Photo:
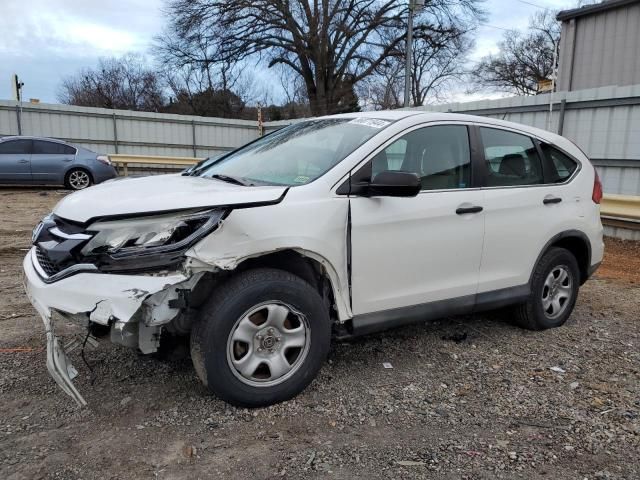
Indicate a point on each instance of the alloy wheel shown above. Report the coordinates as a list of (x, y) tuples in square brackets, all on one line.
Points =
[(557, 291), (79, 179)]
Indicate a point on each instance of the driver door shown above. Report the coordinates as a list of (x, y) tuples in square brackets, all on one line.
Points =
[(410, 252)]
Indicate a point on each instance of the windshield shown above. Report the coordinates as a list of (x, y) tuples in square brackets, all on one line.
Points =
[(297, 154), (201, 165)]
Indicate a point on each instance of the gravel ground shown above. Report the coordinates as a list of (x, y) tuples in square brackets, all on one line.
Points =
[(467, 398)]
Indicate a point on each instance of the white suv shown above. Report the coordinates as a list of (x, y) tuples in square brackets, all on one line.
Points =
[(341, 225)]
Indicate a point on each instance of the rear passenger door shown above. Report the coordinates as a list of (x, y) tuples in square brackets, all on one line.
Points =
[(15, 161), (50, 161), (526, 203)]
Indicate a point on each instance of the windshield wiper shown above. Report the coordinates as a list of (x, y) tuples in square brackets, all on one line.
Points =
[(230, 179)]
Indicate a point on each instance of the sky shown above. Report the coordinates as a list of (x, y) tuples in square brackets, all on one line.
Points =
[(44, 41)]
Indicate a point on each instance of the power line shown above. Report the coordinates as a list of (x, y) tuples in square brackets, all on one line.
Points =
[(533, 4), (494, 26)]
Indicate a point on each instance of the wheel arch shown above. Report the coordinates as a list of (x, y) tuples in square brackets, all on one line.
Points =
[(304, 265), (577, 243), (311, 267)]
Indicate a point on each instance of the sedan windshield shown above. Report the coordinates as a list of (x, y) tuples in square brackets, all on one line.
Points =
[(297, 154)]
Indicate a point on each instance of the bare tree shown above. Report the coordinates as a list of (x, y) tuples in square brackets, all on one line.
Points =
[(524, 59), (437, 64), (332, 45), (438, 61), (384, 89), (124, 83), (198, 84)]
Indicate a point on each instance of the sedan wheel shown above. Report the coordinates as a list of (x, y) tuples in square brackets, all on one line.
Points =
[(78, 179)]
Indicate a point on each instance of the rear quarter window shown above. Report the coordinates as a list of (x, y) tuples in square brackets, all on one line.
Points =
[(558, 165)]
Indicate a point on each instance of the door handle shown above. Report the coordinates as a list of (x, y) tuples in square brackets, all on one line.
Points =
[(23, 161), (463, 210), (549, 200)]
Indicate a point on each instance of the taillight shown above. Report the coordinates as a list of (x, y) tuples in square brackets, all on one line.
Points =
[(596, 196), (104, 159)]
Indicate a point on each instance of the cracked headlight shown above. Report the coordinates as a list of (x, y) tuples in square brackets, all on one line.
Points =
[(143, 236)]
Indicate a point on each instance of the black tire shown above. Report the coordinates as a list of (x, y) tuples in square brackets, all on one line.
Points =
[(226, 308), (532, 314), (70, 184)]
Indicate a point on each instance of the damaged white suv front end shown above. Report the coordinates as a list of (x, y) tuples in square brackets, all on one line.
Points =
[(125, 271)]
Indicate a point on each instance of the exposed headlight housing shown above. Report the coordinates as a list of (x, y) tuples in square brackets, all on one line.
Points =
[(147, 242)]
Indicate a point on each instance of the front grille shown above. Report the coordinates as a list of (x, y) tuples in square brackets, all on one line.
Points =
[(49, 268)]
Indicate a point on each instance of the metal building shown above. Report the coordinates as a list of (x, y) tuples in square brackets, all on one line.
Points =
[(600, 45)]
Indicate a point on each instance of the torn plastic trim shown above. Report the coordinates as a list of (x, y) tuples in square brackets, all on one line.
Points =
[(159, 309), (59, 366)]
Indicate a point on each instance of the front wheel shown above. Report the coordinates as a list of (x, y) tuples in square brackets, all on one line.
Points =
[(554, 290), (261, 338)]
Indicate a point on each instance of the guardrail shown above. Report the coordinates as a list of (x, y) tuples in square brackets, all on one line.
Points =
[(615, 210), (621, 211), (125, 160)]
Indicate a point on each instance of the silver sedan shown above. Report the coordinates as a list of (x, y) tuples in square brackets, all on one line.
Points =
[(45, 161)]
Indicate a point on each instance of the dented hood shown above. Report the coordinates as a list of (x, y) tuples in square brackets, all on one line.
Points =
[(159, 193)]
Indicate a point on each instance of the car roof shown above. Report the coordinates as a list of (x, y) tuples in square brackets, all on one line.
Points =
[(30, 137), (381, 114), (419, 116)]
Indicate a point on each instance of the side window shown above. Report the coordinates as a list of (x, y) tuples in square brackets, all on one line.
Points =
[(42, 147), (439, 155), (559, 166), (67, 149), (15, 147), (512, 159)]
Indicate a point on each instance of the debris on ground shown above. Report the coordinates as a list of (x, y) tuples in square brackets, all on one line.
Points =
[(457, 337)]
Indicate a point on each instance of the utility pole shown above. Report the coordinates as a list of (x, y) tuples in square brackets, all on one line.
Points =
[(16, 89), (260, 121), (554, 76), (414, 5)]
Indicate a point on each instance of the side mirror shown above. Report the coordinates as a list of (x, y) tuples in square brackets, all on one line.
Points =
[(390, 183)]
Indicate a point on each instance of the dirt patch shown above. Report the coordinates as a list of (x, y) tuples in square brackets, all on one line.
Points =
[(468, 397), (621, 261)]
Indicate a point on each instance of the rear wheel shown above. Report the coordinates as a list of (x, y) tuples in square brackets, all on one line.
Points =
[(261, 338), (554, 290), (78, 179)]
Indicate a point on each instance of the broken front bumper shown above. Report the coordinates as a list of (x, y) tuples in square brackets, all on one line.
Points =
[(59, 366), (104, 298)]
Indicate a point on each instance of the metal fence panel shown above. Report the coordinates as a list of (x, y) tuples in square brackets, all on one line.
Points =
[(121, 131), (604, 122)]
